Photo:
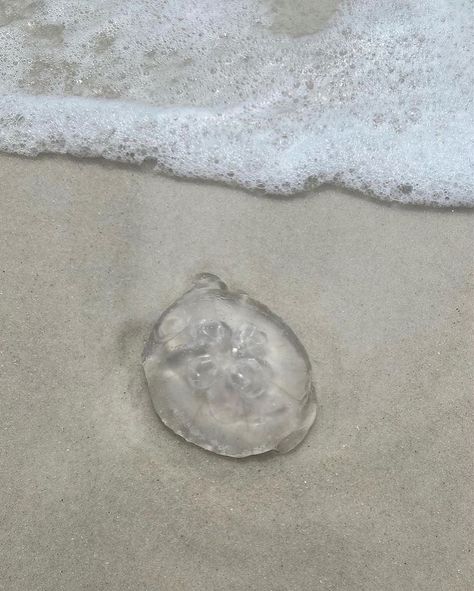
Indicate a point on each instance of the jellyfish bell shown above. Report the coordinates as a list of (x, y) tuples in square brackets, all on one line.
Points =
[(227, 374)]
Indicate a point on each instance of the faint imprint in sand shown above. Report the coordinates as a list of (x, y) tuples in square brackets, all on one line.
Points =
[(227, 374)]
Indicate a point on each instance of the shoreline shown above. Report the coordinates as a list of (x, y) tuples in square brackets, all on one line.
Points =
[(148, 167)]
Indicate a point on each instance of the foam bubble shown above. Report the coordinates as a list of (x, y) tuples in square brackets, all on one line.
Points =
[(379, 100)]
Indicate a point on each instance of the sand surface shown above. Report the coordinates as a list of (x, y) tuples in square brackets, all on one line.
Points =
[(95, 492)]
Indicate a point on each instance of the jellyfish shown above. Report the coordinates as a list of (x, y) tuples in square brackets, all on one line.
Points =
[(227, 374)]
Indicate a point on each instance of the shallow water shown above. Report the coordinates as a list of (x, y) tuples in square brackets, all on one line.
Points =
[(371, 94)]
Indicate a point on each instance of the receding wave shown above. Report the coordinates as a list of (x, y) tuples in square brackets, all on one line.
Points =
[(380, 99)]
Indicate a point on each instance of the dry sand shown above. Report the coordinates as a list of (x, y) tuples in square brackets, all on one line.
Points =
[(97, 494)]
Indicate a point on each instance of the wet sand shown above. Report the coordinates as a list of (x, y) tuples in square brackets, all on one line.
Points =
[(97, 494)]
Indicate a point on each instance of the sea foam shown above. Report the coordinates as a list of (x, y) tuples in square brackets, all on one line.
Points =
[(380, 99)]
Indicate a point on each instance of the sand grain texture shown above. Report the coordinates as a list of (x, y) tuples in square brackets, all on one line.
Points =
[(97, 494)]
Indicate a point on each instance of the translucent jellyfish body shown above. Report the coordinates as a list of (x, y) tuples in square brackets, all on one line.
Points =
[(227, 374)]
